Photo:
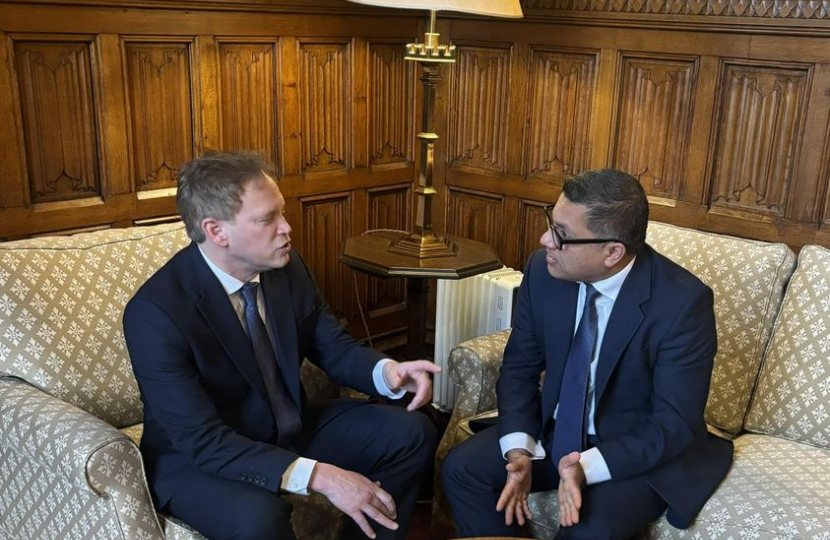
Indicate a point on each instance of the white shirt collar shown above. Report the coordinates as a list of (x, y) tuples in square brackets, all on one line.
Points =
[(229, 283), (611, 286)]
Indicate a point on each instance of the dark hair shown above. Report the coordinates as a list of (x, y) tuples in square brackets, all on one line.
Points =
[(213, 185), (616, 205)]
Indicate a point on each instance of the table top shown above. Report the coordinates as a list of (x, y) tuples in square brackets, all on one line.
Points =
[(370, 253)]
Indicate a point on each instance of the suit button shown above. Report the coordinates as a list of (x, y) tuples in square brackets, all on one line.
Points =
[(264, 480), (256, 479)]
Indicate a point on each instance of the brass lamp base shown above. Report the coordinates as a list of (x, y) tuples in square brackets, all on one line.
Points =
[(424, 247)]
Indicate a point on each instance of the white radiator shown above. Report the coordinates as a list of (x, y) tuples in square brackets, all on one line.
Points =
[(465, 309)]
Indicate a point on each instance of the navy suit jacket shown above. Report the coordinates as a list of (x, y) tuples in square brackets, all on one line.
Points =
[(205, 404), (652, 376)]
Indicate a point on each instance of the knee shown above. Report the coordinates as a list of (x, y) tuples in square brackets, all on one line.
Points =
[(454, 470), (263, 521), (417, 433)]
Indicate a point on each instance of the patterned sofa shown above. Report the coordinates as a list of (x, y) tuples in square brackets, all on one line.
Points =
[(70, 411), (770, 390)]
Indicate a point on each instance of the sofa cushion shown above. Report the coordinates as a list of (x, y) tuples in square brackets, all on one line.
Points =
[(748, 279), (61, 304), (793, 395), (776, 490)]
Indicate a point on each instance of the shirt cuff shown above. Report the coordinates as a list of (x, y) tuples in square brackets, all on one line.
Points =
[(380, 384), (297, 475), (596, 470), (517, 439)]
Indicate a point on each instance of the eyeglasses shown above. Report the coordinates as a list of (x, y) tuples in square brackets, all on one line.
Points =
[(559, 242)]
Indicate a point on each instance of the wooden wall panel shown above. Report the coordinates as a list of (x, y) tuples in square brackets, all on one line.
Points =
[(562, 92), (476, 215), (392, 110), (655, 121), (54, 81), (532, 225), (758, 137), (479, 118), (161, 110), (326, 222), (326, 100), (247, 77), (389, 208)]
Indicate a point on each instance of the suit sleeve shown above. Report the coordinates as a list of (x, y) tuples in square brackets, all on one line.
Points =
[(518, 386), (337, 353), (170, 385), (681, 378)]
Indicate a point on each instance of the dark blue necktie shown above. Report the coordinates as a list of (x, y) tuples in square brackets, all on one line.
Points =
[(285, 410), (570, 429)]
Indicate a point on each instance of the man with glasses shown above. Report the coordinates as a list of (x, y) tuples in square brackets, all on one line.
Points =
[(626, 339)]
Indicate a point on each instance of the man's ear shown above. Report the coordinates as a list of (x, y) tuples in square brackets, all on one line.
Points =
[(214, 231), (615, 252)]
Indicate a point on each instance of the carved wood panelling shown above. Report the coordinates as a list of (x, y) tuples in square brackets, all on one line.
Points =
[(562, 88), (391, 94), (325, 83), (655, 121), (247, 74), (326, 222), (58, 112), (388, 209), (774, 9), (478, 216), (532, 225), (478, 115), (762, 108), (161, 111)]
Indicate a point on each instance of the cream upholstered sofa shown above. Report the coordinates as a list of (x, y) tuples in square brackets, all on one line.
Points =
[(770, 389), (70, 410)]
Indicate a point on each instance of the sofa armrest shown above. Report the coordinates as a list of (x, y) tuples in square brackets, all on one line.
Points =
[(51, 450), (474, 368)]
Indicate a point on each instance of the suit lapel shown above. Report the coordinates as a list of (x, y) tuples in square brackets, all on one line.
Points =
[(626, 317), (559, 316), (216, 308), (280, 309)]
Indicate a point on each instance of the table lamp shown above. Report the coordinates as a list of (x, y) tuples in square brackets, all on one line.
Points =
[(423, 243)]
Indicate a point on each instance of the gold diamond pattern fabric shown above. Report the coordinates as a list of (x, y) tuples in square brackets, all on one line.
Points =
[(748, 279), (66, 474), (61, 304), (792, 399)]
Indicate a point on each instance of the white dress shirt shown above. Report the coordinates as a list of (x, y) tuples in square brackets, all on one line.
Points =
[(297, 475), (596, 470)]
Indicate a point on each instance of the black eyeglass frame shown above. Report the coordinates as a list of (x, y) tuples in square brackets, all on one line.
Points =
[(560, 242)]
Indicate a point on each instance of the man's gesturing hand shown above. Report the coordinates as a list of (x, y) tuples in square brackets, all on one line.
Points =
[(355, 495), (413, 377), (513, 499), (571, 478)]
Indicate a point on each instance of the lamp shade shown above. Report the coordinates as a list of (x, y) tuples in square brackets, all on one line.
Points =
[(494, 8)]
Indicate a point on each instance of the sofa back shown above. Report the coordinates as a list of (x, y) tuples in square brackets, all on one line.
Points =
[(792, 398), (61, 304), (748, 279)]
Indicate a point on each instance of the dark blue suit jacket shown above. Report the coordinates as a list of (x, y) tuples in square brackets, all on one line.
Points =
[(652, 377), (205, 404)]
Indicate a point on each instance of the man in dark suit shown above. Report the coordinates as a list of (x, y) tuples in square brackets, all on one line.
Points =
[(627, 340), (216, 339)]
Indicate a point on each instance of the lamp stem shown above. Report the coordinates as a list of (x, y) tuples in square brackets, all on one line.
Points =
[(422, 242)]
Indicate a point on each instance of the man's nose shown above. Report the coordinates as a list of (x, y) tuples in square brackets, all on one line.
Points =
[(547, 240)]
